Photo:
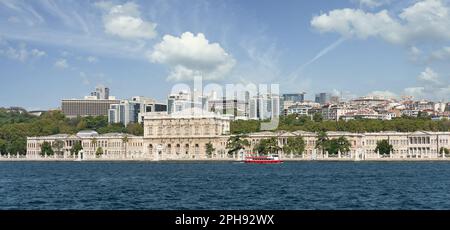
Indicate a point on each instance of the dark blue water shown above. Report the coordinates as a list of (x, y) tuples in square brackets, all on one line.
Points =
[(305, 185)]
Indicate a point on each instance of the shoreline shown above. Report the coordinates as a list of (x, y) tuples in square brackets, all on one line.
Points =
[(223, 160)]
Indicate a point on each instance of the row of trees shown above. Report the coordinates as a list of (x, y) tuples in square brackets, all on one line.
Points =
[(16, 126), (48, 149), (296, 145), (305, 123)]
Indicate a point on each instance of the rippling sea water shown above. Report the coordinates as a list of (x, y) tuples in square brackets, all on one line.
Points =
[(161, 186)]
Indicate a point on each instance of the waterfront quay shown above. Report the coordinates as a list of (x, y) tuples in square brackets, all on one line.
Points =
[(204, 137)]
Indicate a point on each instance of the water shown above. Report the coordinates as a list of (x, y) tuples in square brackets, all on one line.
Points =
[(303, 185)]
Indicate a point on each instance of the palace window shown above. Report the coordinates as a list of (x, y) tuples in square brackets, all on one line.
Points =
[(150, 130)]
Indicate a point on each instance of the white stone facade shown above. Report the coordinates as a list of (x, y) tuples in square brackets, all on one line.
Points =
[(184, 137)]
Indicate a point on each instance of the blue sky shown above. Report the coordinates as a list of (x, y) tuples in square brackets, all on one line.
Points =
[(50, 50)]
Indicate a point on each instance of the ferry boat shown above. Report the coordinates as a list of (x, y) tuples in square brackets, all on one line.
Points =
[(272, 159)]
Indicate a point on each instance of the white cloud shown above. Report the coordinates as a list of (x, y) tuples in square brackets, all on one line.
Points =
[(37, 53), (84, 78), (384, 94), (192, 55), (61, 64), (92, 59), (371, 3), (415, 91), (432, 86), (429, 76), (441, 54), (427, 20), (21, 53), (91, 78), (14, 19), (414, 53), (23, 11), (104, 5), (125, 21)]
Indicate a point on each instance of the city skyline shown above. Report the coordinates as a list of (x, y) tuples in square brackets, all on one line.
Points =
[(382, 47)]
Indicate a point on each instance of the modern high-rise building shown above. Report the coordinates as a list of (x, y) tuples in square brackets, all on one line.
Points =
[(322, 98), (294, 97), (264, 106), (133, 111), (101, 92), (126, 112), (86, 107), (182, 100), (234, 107), (97, 104)]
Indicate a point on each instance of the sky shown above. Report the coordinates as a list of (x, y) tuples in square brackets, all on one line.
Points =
[(52, 50)]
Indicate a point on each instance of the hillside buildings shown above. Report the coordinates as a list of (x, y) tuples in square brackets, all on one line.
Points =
[(133, 111), (87, 107), (184, 136), (182, 129), (97, 104)]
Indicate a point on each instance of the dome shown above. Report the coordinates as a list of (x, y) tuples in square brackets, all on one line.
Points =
[(87, 133)]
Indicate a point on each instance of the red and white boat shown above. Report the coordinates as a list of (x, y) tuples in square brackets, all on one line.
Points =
[(273, 159)]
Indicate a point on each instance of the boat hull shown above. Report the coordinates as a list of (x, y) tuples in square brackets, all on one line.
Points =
[(263, 161)]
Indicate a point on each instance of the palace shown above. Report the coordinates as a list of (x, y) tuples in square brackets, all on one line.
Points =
[(184, 136)]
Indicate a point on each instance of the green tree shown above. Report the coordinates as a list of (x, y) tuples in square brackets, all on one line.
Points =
[(341, 144), (112, 128), (344, 144), (266, 146), (125, 141), (322, 141), (236, 143), (76, 148), (46, 149), (295, 145), (82, 125), (94, 142), (17, 146), (443, 150), (209, 149), (317, 117), (58, 146), (241, 126), (3, 147), (384, 147), (135, 129), (99, 152)]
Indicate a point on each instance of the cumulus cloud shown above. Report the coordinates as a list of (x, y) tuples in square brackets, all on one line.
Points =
[(427, 20), (371, 3), (21, 53), (92, 59), (441, 54), (431, 86), (84, 78), (61, 64), (37, 53), (383, 94), (429, 76), (414, 53), (192, 55), (125, 21)]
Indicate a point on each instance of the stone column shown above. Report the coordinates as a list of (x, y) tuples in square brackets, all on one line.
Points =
[(339, 154)]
